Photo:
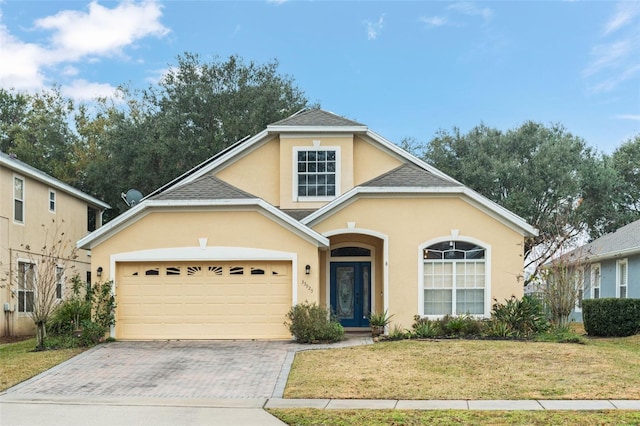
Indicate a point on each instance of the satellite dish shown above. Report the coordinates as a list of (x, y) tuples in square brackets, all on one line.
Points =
[(132, 197)]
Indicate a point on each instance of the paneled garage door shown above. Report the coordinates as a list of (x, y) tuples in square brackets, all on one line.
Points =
[(203, 300)]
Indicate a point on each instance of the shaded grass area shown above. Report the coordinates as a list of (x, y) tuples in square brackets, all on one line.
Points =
[(470, 369), (453, 417), (18, 362)]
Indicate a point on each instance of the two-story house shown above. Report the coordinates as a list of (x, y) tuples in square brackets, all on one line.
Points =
[(314, 208), (31, 202)]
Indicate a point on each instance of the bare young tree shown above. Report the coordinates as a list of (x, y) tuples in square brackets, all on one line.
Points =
[(563, 287), (40, 281)]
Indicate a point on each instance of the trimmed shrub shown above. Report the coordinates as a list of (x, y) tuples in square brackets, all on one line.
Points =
[(310, 323), (68, 316), (611, 317)]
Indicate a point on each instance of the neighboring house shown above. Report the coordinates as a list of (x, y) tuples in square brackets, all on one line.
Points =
[(31, 199), (608, 266), (314, 208)]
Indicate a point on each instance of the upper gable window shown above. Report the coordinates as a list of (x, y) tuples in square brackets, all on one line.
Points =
[(52, 201), (18, 200), (316, 177)]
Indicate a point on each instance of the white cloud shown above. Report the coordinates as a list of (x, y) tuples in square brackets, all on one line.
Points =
[(76, 36), (615, 60), (633, 117), (21, 63), (434, 21), (472, 9), (83, 90), (102, 31), (374, 28), (625, 13)]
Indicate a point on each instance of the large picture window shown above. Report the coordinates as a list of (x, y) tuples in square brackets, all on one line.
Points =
[(454, 281), (26, 286), (317, 172)]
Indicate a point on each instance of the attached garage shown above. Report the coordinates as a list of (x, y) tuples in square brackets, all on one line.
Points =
[(203, 299)]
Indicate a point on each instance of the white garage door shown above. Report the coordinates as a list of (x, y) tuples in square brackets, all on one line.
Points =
[(202, 300)]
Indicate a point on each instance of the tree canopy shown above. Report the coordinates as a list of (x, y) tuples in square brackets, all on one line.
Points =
[(546, 175)]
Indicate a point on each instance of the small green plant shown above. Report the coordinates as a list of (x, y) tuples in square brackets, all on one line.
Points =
[(92, 333), (525, 317), (380, 319), (398, 332), (70, 314), (310, 323), (561, 334), (103, 305), (497, 328), (425, 328)]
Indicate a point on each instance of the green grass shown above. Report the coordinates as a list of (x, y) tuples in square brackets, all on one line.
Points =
[(18, 361), (453, 417), (471, 369)]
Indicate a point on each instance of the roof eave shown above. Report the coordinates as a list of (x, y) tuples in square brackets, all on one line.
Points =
[(515, 220), (54, 183), (104, 232), (275, 129)]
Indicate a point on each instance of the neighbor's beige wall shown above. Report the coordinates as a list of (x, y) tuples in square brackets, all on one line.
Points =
[(222, 228), (70, 215), (409, 223)]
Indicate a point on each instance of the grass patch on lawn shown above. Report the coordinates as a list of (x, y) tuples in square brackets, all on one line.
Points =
[(453, 417), (470, 369), (18, 362)]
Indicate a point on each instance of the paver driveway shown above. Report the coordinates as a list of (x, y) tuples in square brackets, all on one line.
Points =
[(168, 369)]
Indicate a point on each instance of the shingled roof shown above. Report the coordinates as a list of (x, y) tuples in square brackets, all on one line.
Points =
[(316, 117), (623, 240), (409, 175), (205, 188)]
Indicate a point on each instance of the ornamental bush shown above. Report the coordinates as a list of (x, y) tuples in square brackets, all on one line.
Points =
[(611, 317), (310, 323), (522, 318)]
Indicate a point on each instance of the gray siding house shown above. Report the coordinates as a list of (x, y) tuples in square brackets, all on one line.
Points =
[(608, 266)]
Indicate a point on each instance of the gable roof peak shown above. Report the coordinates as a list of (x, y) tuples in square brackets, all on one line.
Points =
[(315, 117)]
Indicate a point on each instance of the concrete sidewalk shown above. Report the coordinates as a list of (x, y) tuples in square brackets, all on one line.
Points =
[(490, 405)]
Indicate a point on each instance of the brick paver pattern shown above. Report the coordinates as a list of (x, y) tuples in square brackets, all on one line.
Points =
[(170, 369)]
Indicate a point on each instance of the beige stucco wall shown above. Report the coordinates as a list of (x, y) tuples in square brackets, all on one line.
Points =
[(70, 216), (370, 161), (257, 173), (410, 223), (250, 229)]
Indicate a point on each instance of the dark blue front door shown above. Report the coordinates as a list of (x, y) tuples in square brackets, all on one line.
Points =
[(350, 292)]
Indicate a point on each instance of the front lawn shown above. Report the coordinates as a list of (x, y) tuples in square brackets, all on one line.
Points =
[(454, 417), (470, 369), (18, 362)]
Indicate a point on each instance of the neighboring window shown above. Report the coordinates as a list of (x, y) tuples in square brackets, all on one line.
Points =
[(579, 289), (316, 172), (52, 201), (622, 278), (18, 199), (454, 279), (596, 277), (59, 282), (26, 286), (88, 282)]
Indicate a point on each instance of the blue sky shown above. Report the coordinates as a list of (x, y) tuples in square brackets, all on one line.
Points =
[(406, 69)]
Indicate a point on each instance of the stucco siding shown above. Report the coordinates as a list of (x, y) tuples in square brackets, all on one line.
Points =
[(377, 162), (411, 222)]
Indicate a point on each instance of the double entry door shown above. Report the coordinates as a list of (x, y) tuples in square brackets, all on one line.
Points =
[(350, 292)]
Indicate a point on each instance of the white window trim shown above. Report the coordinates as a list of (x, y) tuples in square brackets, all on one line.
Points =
[(55, 200), (294, 187), (592, 280), (487, 272), (35, 278), (581, 278), (618, 277), (13, 198)]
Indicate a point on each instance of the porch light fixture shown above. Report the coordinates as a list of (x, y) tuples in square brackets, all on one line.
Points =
[(307, 269), (99, 271)]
